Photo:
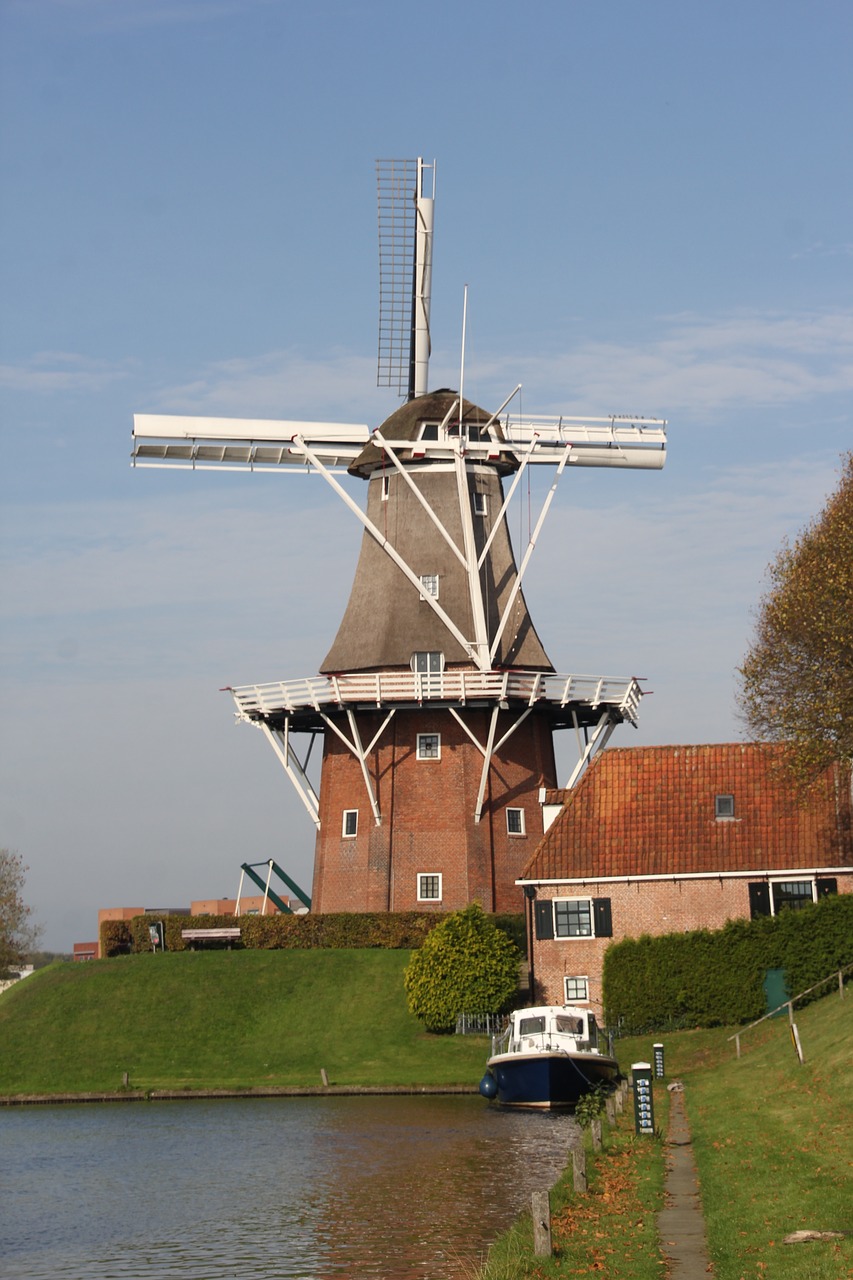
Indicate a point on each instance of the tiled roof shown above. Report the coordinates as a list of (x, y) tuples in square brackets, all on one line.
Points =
[(642, 811)]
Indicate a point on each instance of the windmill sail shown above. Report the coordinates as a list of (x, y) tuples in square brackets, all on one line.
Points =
[(405, 273)]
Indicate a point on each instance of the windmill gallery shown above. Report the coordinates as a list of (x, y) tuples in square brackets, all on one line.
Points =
[(437, 704)]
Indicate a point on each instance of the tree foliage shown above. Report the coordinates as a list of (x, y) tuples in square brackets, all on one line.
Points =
[(797, 678), (466, 965), (17, 932)]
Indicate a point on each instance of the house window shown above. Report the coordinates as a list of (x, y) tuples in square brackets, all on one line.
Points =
[(429, 887), (429, 585), (793, 894), (429, 746), (575, 989), (479, 503), (350, 822), (769, 897), (515, 822), (724, 806), (573, 918)]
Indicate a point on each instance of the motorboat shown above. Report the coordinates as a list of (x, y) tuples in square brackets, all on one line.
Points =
[(547, 1057)]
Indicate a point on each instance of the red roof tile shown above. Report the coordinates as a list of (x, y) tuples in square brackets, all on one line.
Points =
[(642, 811)]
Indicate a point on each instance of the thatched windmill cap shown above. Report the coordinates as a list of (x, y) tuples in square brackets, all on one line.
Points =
[(406, 423)]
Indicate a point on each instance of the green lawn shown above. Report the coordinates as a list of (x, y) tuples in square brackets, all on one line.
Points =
[(224, 1019)]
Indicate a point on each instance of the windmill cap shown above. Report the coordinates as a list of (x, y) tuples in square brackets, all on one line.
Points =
[(406, 423)]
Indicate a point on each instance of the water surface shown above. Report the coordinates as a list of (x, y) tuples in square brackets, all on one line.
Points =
[(291, 1188)]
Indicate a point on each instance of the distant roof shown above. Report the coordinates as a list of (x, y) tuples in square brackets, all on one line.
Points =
[(643, 811)]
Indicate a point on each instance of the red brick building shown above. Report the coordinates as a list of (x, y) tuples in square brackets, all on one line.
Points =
[(656, 840)]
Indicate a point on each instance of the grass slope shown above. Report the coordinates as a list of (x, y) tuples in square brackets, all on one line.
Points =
[(224, 1019)]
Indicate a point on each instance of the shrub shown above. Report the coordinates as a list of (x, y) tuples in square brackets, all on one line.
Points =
[(709, 979), (466, 965)]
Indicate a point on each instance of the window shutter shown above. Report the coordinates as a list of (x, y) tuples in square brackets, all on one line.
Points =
[(826, 885), (544, 919), (602, 917), (759, 899)]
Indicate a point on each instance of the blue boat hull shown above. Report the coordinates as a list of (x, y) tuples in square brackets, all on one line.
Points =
[(547, 1080)]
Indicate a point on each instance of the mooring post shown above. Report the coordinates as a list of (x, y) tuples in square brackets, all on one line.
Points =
[(610, 1109), (324, 1077), (540, 1208), (595, 1130), (579, 1169)]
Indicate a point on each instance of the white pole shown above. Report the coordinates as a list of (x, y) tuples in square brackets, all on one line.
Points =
[(424, 216)]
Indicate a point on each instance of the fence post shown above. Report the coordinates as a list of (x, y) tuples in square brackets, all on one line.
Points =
[(540, 1207), (841, 983), (610, 1109), (595, 1130)]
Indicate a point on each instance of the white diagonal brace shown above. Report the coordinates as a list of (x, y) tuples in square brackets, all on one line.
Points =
[(377, 435), (531, 546), (482, 660), (292, 767), (598, 741), (357, 750)]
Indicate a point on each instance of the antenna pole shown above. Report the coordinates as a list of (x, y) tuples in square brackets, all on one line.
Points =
[(462, 357), (422, 284)]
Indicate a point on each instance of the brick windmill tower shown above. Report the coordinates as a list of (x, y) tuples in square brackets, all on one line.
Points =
[(437, 703)]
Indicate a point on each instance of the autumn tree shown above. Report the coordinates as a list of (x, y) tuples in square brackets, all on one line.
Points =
[(796, 682), (17, 932)]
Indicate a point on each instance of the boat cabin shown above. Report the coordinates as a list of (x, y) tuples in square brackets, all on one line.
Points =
[(552, 1028)]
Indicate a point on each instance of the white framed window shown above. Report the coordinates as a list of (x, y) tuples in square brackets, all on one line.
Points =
[(515, 822), (769, 897), (575, 989), (429, 585), (480, 505), (429, 886), (386, 487), (429, 746), (427, 662), (350, 827), (573, 918), (724, 807)]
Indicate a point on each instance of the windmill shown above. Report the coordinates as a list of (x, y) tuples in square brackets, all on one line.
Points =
[(436, 706)]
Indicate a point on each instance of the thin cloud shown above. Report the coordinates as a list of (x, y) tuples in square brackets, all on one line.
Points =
[(48, 372)]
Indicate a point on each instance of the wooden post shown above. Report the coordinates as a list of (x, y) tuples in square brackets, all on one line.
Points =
[(595, 1130), (610, 1109), (124, 1080), (841, 983), (324, 1077), (737, 1045), (579, 1169), (540, 1208), (618, 1101)]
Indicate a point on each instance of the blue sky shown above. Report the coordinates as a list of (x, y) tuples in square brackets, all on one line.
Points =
[(651, 207)]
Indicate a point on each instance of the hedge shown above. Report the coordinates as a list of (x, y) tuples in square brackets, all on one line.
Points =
[(716, 978), (404, 930)]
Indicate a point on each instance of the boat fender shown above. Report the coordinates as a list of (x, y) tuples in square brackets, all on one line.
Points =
[(489, 1086)]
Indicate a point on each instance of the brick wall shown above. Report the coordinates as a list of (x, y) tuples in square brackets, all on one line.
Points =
[(652, 907), (427, 809)]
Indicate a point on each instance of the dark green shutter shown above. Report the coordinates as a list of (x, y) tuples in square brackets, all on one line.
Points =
[(602, 917), (759, 899), (544, 919), (826, 885)]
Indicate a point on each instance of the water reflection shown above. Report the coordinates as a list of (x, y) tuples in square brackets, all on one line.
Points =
[(297, 1189)]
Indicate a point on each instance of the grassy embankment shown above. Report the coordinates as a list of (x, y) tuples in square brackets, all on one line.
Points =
[(224, 1020), (773, 1142)]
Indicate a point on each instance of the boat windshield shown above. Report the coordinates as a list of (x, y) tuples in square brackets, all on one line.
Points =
[(531, 1026), (569, 1026)]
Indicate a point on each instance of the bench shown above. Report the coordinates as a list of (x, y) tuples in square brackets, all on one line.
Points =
[(211, 935)]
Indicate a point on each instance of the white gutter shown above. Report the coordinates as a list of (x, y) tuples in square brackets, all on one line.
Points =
[(694, 875)]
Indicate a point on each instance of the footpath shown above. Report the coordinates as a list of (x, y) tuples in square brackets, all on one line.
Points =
[(681, 1223)]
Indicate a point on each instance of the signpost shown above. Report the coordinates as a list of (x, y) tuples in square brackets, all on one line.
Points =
[(644, 1107), (657, 1054)]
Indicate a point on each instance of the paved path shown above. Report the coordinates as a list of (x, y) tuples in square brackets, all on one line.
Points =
[(681, 1224)]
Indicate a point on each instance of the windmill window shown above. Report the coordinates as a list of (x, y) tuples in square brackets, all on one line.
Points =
[(350, 827), (429, 887), (724, 807), (429, 585), (515, 822), (429, 746), (428, 662), (480, 507), (386, 487), (428, 431), (575, 989)]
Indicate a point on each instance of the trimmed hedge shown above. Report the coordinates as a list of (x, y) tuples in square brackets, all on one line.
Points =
[(712, 979), (403, 930)]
